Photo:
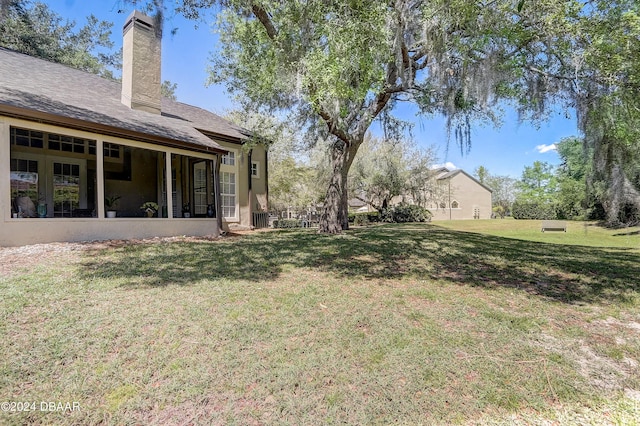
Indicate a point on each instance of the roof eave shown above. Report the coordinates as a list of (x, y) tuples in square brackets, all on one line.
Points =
[(77, 124)]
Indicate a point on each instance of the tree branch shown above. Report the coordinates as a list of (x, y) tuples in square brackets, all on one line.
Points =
[(265, 20)]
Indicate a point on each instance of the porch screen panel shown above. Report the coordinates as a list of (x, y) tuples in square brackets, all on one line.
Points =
[(24, 179), (200, 188)]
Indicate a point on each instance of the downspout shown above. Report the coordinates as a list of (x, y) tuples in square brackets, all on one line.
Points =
[(216, 191)]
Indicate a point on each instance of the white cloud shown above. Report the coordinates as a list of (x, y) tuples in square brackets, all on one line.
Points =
[(449, 165), (546, 148)]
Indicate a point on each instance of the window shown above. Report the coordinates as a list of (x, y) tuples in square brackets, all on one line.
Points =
[(112, 151), (25, 137), (228, 194), (455, 205), (67, 144), (443, 205), (229, 159), (51, 141), (255, 170)]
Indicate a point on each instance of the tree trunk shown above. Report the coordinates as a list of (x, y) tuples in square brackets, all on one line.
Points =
[(334, 218)]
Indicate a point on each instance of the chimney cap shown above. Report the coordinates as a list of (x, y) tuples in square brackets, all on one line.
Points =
[(137, 16)]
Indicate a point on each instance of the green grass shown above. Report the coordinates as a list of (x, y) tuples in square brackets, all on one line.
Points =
[(578, 233), (415, 324)]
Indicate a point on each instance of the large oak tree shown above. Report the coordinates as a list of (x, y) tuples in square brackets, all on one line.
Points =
[(340, 65)]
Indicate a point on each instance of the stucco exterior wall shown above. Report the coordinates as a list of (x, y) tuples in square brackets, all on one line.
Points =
[(21, 231), (18, 232), (474, 200), (259, 182)]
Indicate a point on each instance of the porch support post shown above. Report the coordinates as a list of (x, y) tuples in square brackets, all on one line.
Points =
[(100, 178), (169, 184)]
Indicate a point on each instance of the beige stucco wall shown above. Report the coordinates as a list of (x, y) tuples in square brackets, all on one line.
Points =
[(470, 195), (17, 231)]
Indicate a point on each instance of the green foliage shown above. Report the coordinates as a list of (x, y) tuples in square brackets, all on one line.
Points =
[(111, 202), (385, 169), (294, 179), (533, 210), (403, 212), (482, 174), (364, 218), (36, 30), (149, 206), (400, 213), (338, 66), (168, 90), (573, 201), (538, 183), (504, 190)]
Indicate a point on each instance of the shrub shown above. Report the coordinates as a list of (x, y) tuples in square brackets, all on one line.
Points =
[(410, 213), (364, 218), (533, 210), (361, 219)]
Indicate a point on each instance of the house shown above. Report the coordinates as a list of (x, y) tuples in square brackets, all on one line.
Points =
[(460, 196), (356, 205), (71, 141)]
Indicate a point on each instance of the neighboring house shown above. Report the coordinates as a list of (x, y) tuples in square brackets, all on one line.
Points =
[(356, 205), (460, 196), (69, 140)]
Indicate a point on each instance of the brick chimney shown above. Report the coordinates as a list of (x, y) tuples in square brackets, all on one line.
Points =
[(140, 64)]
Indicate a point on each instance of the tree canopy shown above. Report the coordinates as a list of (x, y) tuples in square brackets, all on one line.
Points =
[(338, 66), (388, 169), (34, 29)]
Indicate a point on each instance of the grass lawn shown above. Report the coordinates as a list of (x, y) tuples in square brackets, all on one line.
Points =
[(484, 322)]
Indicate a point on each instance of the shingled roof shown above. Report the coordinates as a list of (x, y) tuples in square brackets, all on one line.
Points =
[(33, 88), (443, 174)]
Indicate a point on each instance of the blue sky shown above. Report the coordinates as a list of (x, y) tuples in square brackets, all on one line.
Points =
[(185, 57)]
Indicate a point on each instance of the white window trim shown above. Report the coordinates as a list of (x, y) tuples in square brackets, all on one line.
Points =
[(233, 218), (231, 169)]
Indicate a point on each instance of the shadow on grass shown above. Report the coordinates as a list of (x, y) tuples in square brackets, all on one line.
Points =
[(627, 234), (564, 273)]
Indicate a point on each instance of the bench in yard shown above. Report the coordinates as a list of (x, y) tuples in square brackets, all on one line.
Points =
[(554, 225)]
